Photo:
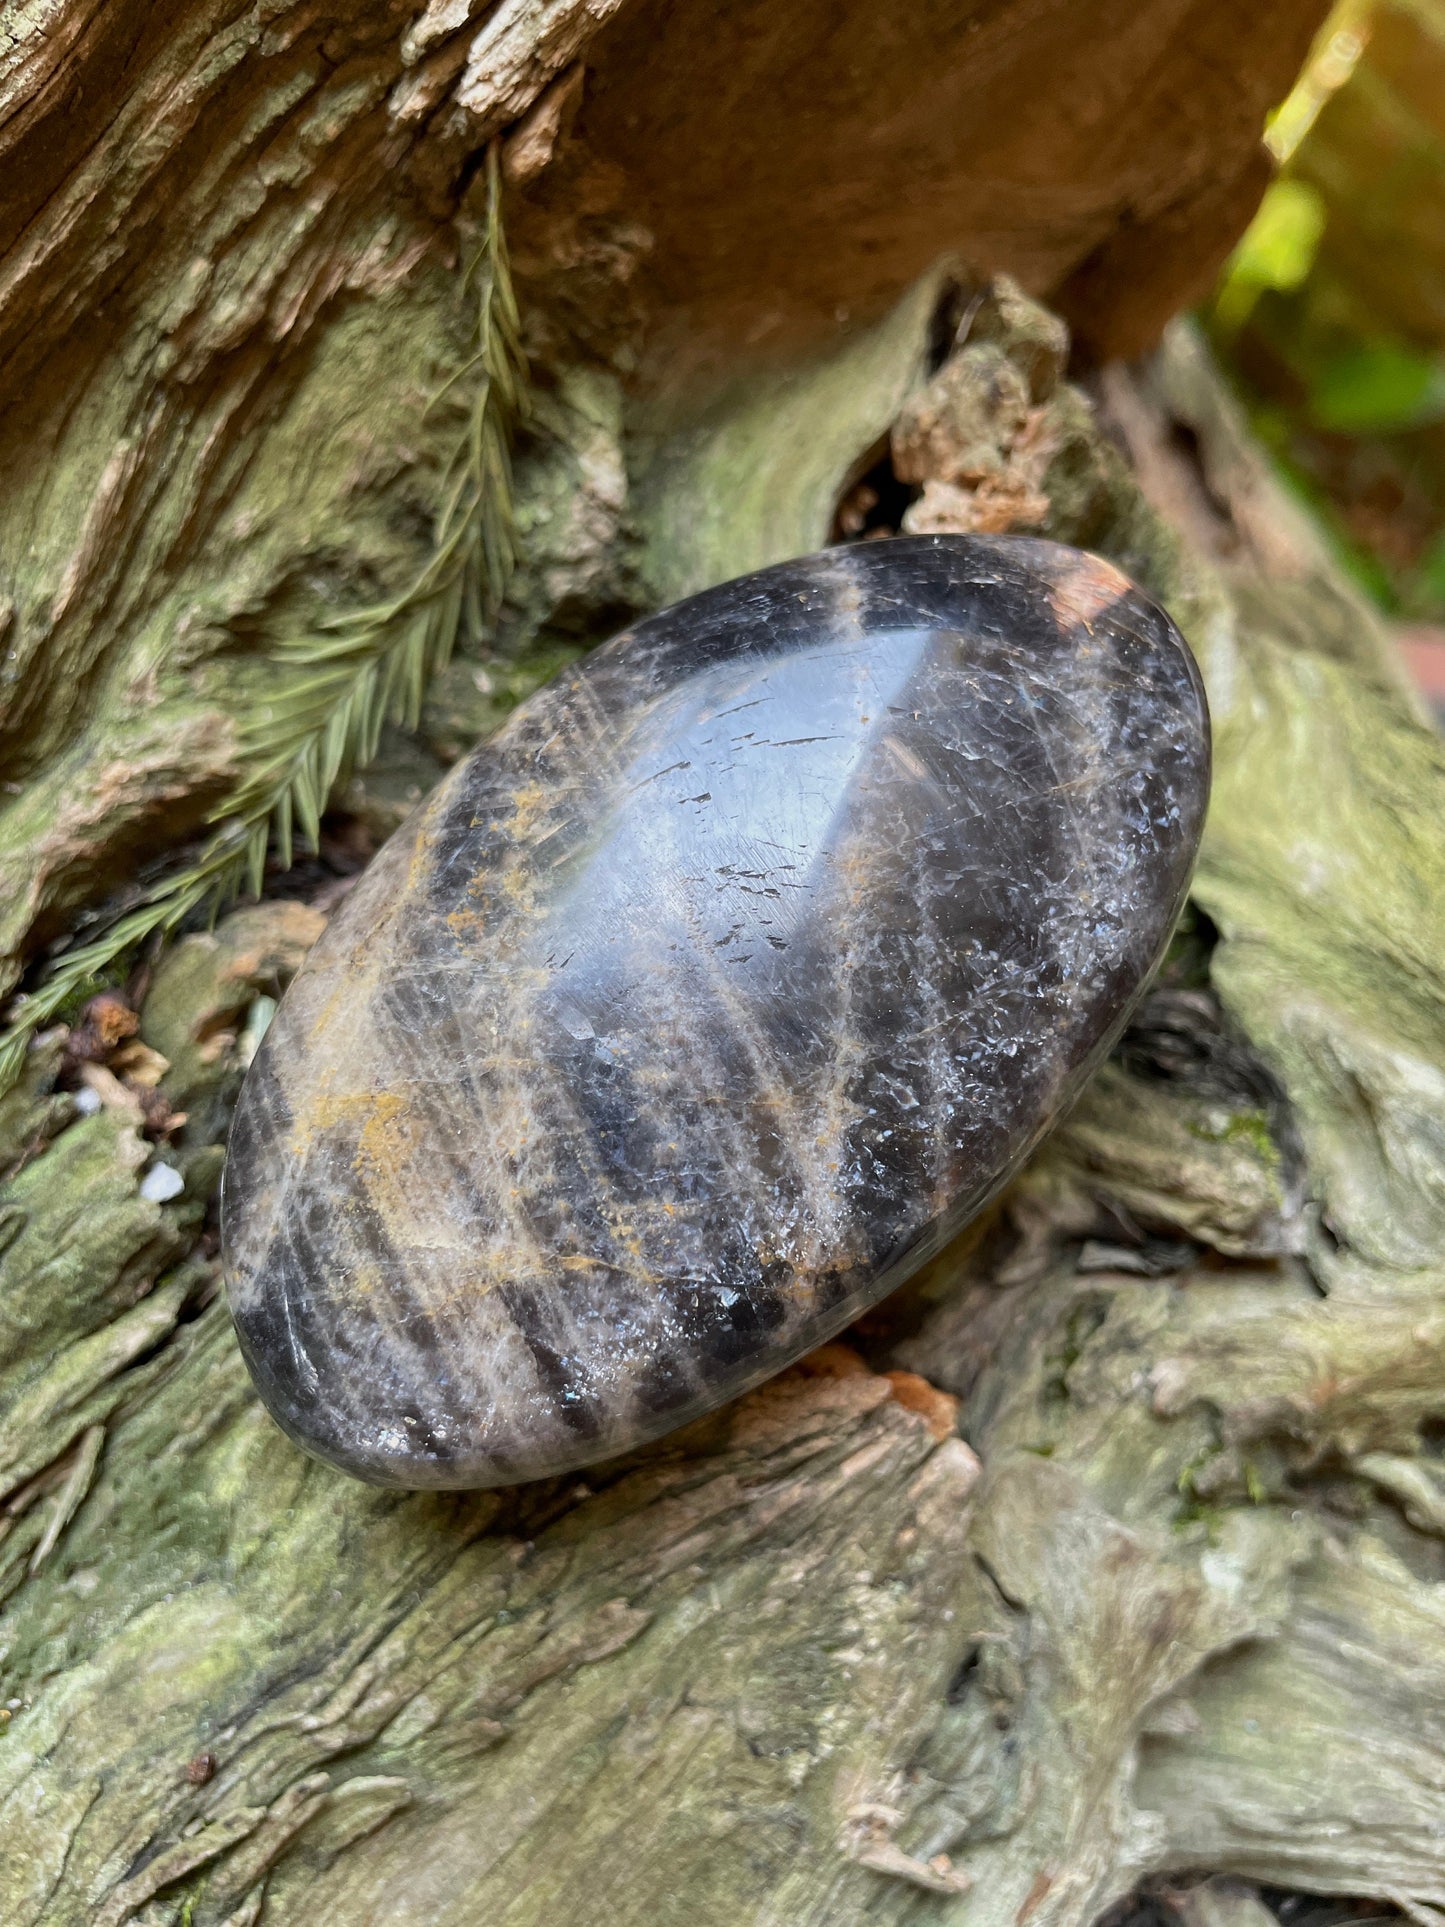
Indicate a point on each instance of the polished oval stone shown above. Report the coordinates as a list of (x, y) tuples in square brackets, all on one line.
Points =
[(704, 1003)]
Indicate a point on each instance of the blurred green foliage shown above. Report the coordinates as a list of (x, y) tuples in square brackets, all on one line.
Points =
[(1378, 388), (1331, 311)]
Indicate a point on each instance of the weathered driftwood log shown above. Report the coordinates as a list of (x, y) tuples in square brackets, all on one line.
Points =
[(1174, 1604)]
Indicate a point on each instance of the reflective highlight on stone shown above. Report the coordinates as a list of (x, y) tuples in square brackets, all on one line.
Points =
[(703, 1004)]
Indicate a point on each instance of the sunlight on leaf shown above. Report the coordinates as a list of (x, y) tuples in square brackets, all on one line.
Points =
[(1277, 252)]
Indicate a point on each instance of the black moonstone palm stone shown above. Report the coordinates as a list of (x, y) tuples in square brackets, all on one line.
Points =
[(702, 1005)]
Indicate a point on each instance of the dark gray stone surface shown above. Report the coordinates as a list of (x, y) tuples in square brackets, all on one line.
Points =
[(704, 1003)]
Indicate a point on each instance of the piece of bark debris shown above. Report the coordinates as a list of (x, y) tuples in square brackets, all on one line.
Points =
[(938, 1410), (160, 1121), (870, 1846), (105, 1023), (139, 1065)]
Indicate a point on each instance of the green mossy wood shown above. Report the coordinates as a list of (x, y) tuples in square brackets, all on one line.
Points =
[(1114, 1547)]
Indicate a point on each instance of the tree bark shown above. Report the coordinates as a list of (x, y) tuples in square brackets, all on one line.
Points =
[(1111, 1548)]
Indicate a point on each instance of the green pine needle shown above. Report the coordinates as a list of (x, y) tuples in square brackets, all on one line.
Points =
[(370, 666)]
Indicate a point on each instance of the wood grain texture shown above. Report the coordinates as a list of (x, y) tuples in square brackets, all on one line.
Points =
[(1109, 153)]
